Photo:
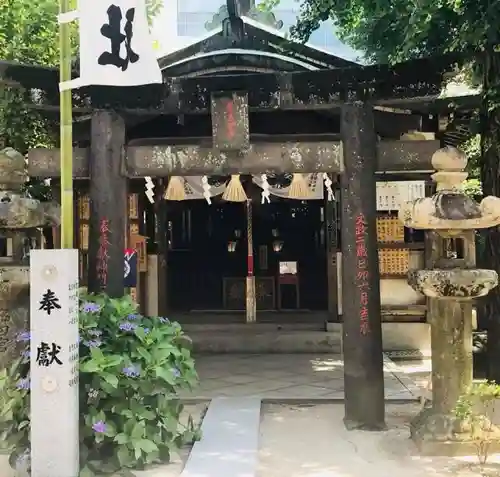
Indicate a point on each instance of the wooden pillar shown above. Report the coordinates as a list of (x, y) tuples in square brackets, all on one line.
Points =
[(331, 257), (161, 218), (108, 205), (362, 331)]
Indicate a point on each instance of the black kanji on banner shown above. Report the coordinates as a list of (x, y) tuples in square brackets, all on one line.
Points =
[(112, 31)]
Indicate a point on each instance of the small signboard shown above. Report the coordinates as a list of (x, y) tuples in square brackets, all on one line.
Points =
[(288, 268), (230, 128)]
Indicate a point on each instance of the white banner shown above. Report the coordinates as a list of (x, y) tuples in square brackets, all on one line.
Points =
[(115, 46)]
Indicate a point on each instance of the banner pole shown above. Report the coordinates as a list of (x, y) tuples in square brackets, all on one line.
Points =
[(66, 130)]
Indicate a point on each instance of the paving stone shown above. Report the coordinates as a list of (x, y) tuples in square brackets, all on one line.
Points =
[(230, 443)]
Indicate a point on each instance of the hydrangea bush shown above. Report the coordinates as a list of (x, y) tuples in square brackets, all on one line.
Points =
[(131, 369)]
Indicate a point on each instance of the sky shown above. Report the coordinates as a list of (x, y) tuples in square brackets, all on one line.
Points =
[(181, 21)]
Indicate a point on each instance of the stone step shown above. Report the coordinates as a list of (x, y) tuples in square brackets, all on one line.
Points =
[(245, 341), (230, 443), (254, 327)]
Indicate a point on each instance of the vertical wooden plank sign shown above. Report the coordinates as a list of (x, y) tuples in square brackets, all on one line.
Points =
[(54, 363)]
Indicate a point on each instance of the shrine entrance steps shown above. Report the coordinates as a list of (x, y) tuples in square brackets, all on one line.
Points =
[(274, 333)]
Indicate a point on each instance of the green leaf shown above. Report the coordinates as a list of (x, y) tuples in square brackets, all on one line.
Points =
[(165, 374), (138, 430), (121, 438), (124, 456), (144, 353), (110, 379), (146, 445), (148, 415), (90, 366)]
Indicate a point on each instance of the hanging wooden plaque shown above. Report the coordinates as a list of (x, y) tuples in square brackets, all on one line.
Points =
[(133, 294), (230, 128), (138, 243), (84, 237), (134, 230), (133, 206), (84, 207)]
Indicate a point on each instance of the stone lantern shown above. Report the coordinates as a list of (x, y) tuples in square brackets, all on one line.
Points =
[(20, 217), (451, 282)]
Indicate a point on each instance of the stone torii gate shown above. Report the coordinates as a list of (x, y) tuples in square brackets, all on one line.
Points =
[(356, 155)]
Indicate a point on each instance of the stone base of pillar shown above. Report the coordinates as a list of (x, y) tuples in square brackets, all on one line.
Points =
[(437, 434)]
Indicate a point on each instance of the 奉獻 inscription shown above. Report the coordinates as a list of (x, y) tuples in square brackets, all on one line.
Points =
[(54, 396)]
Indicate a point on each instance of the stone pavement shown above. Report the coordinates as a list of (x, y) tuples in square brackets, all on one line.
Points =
[(286, 377), (311, 441)]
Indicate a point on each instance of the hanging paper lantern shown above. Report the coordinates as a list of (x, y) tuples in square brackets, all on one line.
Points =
[(234, 191)]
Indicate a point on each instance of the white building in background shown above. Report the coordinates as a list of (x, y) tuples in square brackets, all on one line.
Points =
[(182, 21)]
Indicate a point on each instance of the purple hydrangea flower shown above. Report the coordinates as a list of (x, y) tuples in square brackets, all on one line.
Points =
[(164, 320), (94, 332), (131, 371), (127, 326), (24, 336), (23, 384), (91, 308), (146, 330), (133, 316), (93, 343), (176, 372), (99, 427)]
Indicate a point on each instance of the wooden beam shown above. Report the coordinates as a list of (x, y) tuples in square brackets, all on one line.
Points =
[(322, 89), (165, 160)]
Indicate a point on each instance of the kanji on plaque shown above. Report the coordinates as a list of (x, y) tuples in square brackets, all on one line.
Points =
[(362, 274), (49, 302), (47, 355)]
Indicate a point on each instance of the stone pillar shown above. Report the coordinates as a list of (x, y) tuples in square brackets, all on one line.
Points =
[(451, 344), (162, 249), (451, 335), (108, 204), (362, 331)]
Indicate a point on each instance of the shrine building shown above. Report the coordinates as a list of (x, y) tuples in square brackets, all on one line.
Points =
[(260, 163)]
